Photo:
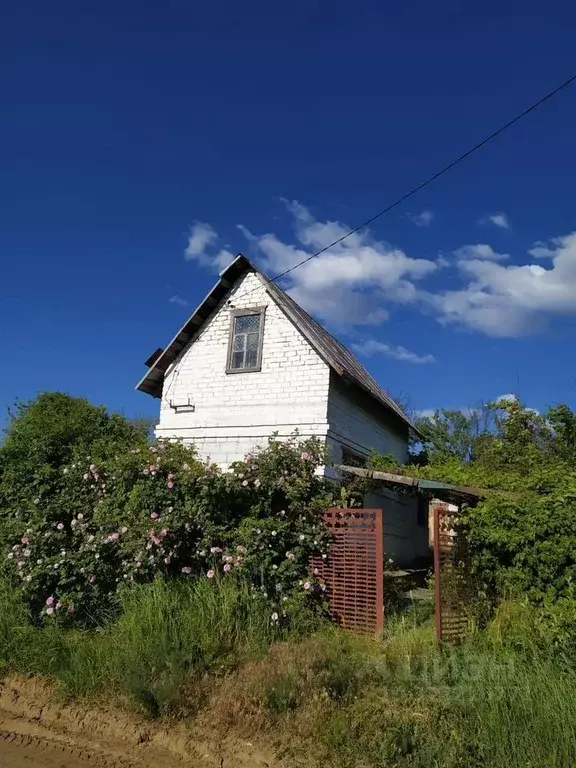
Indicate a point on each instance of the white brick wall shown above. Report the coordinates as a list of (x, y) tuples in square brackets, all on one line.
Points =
[(233, 413)]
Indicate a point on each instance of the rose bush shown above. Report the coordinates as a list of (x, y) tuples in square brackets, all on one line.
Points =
[(156, 509)]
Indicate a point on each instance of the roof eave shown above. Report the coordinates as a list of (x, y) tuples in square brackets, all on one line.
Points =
[(152, 381)]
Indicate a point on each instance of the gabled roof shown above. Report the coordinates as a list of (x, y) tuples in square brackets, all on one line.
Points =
[(334, 354)]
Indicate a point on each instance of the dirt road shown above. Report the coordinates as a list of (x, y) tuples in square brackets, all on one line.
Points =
[(25, 744), (36, 730), (17, 751)]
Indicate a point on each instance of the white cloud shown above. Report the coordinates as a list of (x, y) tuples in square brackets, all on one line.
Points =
[(427, 413), (479, 251), (373, 347), (423, 219), (511, 300), (201, 237), (542, 251), (350, 283), (358, 281), (178, 300), (201, 240), (497, 219)]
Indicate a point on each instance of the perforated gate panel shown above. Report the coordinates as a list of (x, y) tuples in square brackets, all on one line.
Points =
[(354, 569), (450, 560)]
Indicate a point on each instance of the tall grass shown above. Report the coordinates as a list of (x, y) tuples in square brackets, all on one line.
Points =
[(323, 697), (168, 636)]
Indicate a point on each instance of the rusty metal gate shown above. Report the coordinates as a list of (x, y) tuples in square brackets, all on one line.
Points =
[(451, 578), (354, 569)]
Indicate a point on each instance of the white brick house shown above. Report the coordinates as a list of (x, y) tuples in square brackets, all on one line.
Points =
[(250, 363)]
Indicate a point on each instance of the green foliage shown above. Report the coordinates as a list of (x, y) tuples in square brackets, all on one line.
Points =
[(169, 635), (455, 434), (98, 507), (523, 534), (46, 433)]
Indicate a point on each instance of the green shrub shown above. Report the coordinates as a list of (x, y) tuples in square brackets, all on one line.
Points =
[(117, 510)]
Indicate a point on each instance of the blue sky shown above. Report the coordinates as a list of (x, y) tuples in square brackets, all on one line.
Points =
[(142, 142)]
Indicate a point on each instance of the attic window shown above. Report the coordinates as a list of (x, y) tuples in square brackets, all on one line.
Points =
[(245, 343)]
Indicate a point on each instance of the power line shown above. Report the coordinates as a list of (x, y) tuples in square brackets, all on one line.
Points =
[(432, 178)]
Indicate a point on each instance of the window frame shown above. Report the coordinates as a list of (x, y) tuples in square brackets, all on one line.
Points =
[(261, 311), (355, 459)]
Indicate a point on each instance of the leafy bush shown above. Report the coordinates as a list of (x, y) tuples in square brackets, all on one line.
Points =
[(127, 511), (523, 532)]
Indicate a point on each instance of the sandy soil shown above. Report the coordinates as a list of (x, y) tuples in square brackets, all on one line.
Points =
[(37, 730)]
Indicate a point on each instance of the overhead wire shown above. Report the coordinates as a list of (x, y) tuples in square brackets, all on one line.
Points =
[(497, 132)]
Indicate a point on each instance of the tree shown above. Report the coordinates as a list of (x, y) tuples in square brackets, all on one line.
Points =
[(562, 421), (46, 433), (456, 434)]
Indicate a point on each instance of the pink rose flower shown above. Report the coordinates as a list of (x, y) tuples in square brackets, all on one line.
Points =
[(50, 600), (244, 483), (307, 585), (164, 532), (92, 579), (60, 527), (187, 570), (170, 484), (154, 515), (50, 611), (25, 540), (211, 573), (227, 568), (145, 471)]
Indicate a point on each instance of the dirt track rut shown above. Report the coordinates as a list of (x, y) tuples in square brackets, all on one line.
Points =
[(19, 751), (38, 730), (23, 745)]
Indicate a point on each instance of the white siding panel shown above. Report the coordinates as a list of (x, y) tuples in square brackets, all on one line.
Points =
[(362, 430), (404, 539)]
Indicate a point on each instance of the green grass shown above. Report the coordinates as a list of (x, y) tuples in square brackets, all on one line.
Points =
[(322, 697), (168, 636)]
